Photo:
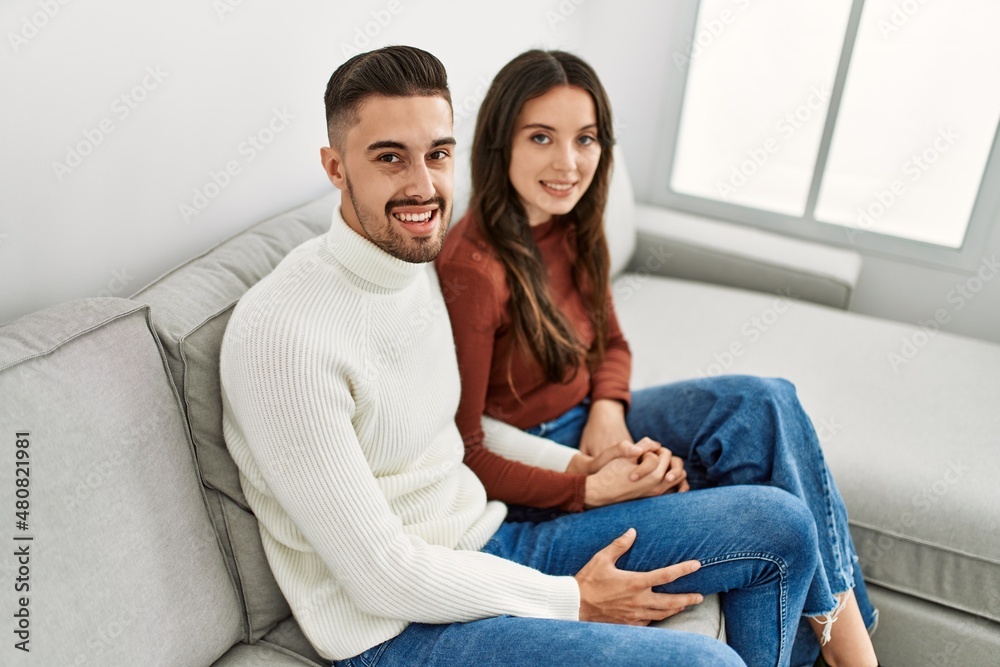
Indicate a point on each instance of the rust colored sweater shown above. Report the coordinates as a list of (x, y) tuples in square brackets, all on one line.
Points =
[(475, 290)]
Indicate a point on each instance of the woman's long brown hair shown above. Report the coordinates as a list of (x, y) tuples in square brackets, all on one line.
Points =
[(537, 324)]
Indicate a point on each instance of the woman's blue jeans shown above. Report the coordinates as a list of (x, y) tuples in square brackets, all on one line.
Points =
[(748, 430), (773, 552)]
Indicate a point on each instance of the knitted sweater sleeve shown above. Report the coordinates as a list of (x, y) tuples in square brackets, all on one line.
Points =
[(510, 463), (294, 410)]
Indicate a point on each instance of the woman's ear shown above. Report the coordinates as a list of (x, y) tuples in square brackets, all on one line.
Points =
[(333, 165)]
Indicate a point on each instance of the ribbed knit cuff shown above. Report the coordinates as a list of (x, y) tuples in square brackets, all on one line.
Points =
[(565, 601)]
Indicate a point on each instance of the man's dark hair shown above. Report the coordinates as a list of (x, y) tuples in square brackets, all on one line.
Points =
[(392, 71)]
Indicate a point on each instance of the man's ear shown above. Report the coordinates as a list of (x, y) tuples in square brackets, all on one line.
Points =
[(333, 165)]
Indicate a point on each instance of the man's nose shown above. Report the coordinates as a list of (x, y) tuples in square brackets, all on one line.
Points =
[(419, 183)]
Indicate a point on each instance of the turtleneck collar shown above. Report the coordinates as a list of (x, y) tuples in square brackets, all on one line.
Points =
[(366, 260)]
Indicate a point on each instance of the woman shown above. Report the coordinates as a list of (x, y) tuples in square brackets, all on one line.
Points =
[(525, 277)]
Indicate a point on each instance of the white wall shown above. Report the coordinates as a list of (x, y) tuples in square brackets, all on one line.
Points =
[(113, 222), (200, 78), (628, 43)]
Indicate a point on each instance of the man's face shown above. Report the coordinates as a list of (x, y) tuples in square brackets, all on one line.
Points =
[(396, 172)]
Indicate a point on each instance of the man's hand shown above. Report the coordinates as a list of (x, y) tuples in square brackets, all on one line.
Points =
[(610, 595), (605, 427)]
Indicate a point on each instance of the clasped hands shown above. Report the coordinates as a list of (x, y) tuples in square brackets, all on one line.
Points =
[(628, 470)]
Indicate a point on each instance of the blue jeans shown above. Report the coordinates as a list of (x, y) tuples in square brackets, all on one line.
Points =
[(748, 430), (759, 545), (756, 544)]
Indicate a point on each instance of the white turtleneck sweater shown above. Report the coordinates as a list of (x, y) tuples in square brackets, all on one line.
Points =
[(340, 387)]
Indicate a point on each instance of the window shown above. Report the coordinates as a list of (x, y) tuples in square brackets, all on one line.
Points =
[(871, 124)]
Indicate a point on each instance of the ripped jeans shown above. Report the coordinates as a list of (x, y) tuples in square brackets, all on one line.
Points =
[(747, 430)]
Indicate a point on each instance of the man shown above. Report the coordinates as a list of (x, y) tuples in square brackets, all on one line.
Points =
[(340, 387)]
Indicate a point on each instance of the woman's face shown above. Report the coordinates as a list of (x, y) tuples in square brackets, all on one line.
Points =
[(555, 152)]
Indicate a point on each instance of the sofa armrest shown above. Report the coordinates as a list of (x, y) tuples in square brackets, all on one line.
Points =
[(680, 245)]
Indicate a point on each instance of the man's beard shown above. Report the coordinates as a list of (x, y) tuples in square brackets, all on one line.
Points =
[(385, 235)]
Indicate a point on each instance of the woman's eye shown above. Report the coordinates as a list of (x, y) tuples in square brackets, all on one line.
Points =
[(388, 158), (540, 139), (587, 140)]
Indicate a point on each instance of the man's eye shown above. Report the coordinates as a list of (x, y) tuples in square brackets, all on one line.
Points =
[(540, 139), (438, 155), (389, 158)]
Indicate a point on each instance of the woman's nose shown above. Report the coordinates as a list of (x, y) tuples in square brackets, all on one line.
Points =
[(564, 158)]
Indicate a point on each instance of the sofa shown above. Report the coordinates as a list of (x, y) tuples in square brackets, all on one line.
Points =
[(138, 547)]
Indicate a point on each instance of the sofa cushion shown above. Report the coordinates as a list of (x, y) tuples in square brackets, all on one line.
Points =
[(620, 216), (908, 420), (124, 565), (288, 635), (674, 244), (915, 632), (262, 654), (191, 306)]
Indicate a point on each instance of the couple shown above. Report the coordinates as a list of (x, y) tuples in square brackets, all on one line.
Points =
[(377, 477)]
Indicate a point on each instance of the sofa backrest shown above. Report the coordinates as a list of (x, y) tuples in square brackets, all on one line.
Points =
[(191, 306), (122, 565), (620, 222)]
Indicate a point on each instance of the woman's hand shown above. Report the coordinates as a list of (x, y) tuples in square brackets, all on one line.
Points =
[(677, 475), (581, 464), (622, 479), (605, 427)]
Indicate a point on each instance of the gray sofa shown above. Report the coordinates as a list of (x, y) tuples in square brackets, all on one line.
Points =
[(144, 551)]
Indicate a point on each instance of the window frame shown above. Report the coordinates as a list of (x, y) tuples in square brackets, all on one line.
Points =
[(985, 210)]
